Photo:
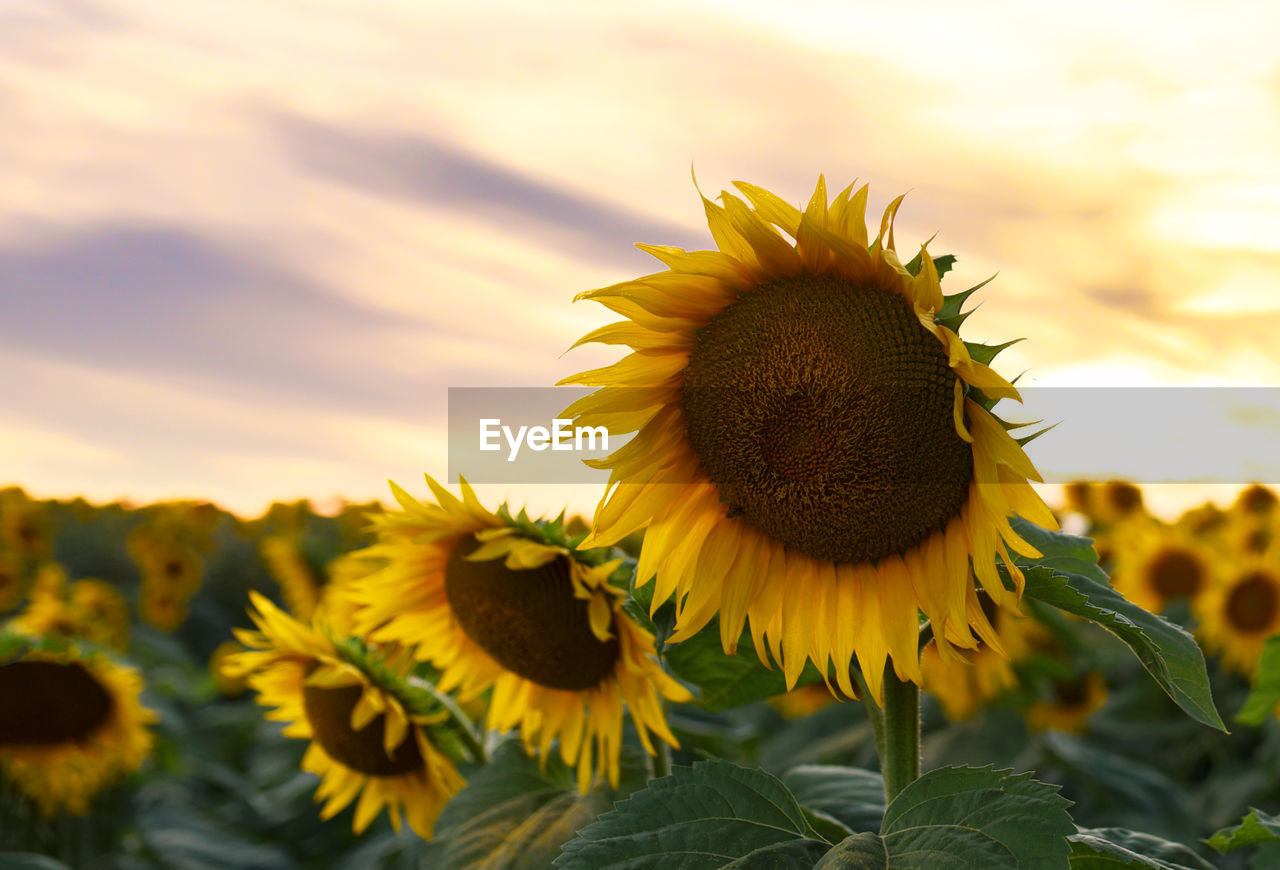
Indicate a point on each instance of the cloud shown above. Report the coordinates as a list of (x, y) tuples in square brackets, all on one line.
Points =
[(445, 176), (183, 309)]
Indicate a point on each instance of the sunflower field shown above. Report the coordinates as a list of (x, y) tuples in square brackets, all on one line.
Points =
[(820, 619)]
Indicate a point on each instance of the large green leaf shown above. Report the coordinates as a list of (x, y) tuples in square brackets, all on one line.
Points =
[(511, 816), (1266, 690), (961, 817), (714, 814), (727, 681), (863, 851), (1255, 829), (1067, 577), (850, 794), (1117, 848)]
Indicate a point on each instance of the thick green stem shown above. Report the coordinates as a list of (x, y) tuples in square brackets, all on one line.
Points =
[(661, 760), (900, 754)]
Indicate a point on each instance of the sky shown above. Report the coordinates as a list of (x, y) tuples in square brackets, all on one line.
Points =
[(247, 247)]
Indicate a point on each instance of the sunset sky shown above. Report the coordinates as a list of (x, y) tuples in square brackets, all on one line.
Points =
[(246, 247)]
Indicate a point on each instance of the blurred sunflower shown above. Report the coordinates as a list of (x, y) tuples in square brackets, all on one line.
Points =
[(1238, 613), (70, 724), (12, 585), (962, 687), (1070, 703), (24, 525), (494, 603), (168, 566), (1256, 499), (815, 450), (226, 684), (162, 608), (1156, 564), (365, 738), (87, 609)]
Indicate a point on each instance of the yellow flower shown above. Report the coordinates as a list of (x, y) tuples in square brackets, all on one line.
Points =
[(24, 526), (804, 701), (88, 609), (1238, 613), (494, 608), (814, 450), (1070, 704), (162, 608), (962, 687), (365, 740), (227, 684), (1156, 564), (70, 725)]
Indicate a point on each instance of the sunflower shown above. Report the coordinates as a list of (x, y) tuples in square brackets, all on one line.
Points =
[(70, 724), (24, 525), (1257, 499), (12, 585), (1156, 564), (1240, 612), (227, 685), (162, 608), (88, 609), (962, 687), (495, 603), (1069, 704), (816, 451), (168, 565), (365, 738)]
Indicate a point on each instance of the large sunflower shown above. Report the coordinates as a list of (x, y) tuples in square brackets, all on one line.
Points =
[(70, 724), (365, 739), (815, 450), (1238, 613), (493, 603)]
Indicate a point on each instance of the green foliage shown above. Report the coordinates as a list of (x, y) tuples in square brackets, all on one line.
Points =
[(512, 814), (960, 817), (1266, 690), (1066, 578), (1255, 829), (851, 795), (859, 852), (1117, 848), (714, 814), (29, 861)]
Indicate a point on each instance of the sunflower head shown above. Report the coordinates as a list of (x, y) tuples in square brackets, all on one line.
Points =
[(370, 734), (1240, 611), (1068, 703), (816, 453), (1157, 564), (502, 603), (71, 723), (88, 609)]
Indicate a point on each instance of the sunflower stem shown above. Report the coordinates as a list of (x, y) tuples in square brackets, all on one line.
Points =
[(474, 744), (900, 754), (661, 760)]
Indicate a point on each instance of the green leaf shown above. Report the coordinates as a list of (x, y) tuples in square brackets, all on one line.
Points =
[(714, 814), (1254, 829), (850, 794), (1166, 650), (1115, 848), (728, 681), (960, 817), (1266, 691), (863, 851), (511, 816), (1066, 554), (1067, 576)]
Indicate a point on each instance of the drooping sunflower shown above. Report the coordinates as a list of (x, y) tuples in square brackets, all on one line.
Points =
[(1240, 611), (962, 687), (366, 740), (1069, 703), (70, 724), (497, 604), (815, 450), (289, 568), (1156, 564)]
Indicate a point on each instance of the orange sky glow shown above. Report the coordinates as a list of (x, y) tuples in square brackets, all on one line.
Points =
[(246, 248)]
